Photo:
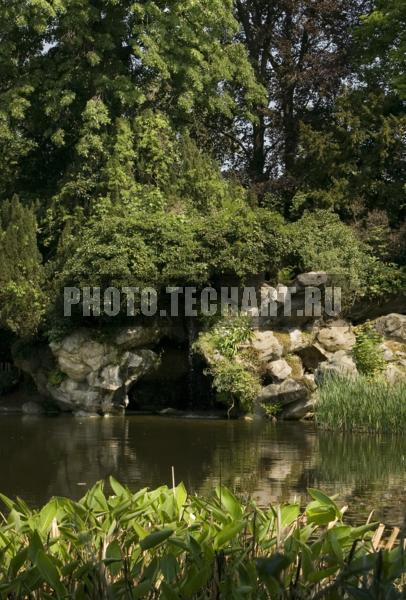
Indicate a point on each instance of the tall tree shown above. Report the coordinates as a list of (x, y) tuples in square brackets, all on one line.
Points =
[(87, 70), (22, 300), (299, 50), (383, 35)]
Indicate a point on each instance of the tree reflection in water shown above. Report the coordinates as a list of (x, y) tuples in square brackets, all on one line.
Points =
[(40, 457)]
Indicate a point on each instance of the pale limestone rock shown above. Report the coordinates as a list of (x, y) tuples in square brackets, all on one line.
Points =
[(279, 370), (284, 393), (312, 279), (97, 376), (395, 374), (73, 367), (267, 346), (341, 365), (310, 380), (298, 410), (392, 326), (337, 336)]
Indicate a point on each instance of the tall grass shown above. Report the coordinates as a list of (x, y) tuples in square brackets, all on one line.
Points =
[(362, 404)]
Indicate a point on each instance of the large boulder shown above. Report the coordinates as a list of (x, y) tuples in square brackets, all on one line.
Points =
[(312, 279), (395, 374), (267, 346), (341, 364), (287, 392), (298, 410), (336, 336), (393, 327), (279, 370)]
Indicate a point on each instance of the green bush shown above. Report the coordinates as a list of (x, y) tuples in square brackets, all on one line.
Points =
[(367, 351), (362, 404), (237, 387), (320, 241), (168, 545), (235, 377)]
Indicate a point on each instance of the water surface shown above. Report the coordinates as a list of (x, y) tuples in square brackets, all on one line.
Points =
[(45, 456)]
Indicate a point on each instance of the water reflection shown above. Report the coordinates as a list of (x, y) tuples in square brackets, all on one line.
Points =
[(40, 457)]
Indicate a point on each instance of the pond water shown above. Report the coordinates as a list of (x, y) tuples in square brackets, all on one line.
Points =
[(44, 456)]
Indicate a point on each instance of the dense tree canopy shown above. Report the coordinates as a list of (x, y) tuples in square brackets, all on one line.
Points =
[(175, 141)]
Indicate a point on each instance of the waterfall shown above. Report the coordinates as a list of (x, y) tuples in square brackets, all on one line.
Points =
[(192, 382)]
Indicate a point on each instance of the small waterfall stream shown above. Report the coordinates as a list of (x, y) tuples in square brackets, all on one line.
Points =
[(192, 381)]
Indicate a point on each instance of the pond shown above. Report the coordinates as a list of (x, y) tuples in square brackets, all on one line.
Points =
[(44, 456)]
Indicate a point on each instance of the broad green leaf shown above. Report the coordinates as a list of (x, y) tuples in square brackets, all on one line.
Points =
[(229, 502), (228, 533), (155, 538), (47, 515), (49, 572), (114, 558), (181, 496), (117, 488)]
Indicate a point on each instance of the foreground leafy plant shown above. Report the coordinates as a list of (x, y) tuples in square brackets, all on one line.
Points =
[(165, 544)]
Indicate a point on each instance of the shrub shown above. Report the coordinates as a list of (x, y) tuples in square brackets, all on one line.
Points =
[(22, 300), (367, 351), (234, 373), (235, 384), (321, 242)]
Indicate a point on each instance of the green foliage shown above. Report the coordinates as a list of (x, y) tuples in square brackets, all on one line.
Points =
[(21, 273), (362, 404), (271, 410), (235, 376), (355, 163), (164, 543), (56, 377), (367, 351), (230, 334), (111, 114), (131, 247), (235, 384), (383, 36), (320, 241)]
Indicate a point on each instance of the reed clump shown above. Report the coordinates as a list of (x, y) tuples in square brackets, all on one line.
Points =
[(362, 404)]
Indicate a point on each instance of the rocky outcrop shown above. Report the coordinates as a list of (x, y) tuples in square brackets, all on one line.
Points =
[(267, 346), (87, 374), (316, 351), (291, 397)]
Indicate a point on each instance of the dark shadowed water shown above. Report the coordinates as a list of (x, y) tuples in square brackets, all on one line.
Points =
[(40, 457)]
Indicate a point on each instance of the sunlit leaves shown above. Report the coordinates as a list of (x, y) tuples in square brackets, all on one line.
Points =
[(148, 543)]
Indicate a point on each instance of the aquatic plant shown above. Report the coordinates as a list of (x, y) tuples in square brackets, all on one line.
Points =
[(362, 404), (166, 544)]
